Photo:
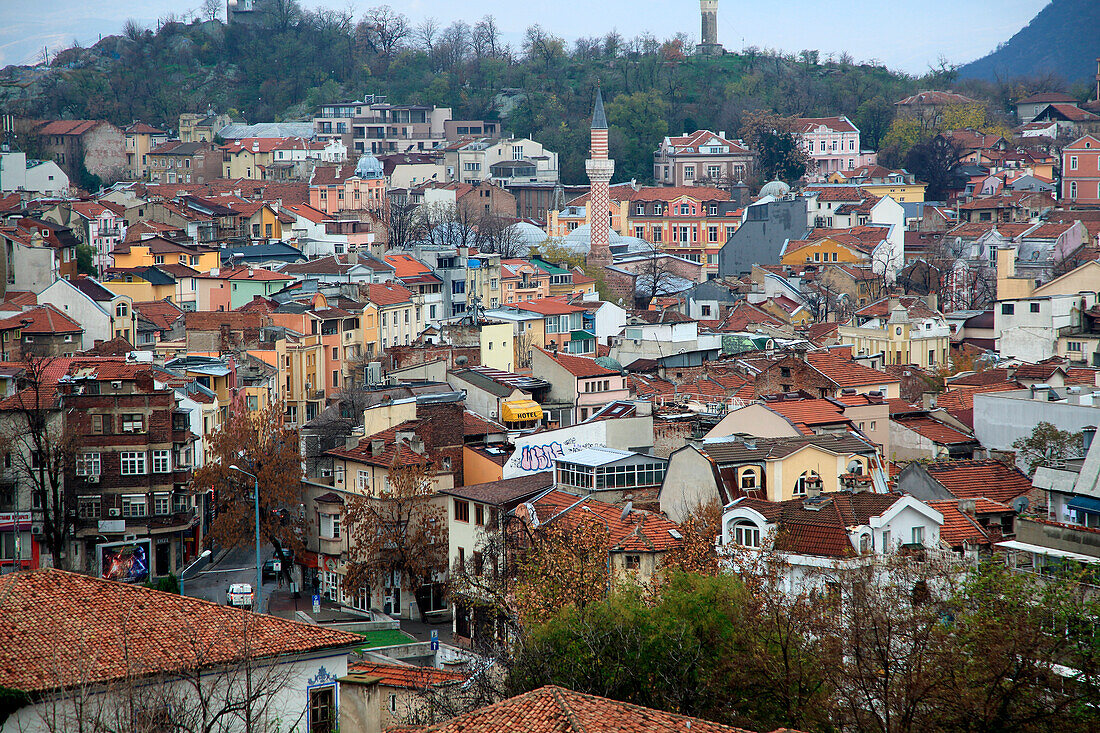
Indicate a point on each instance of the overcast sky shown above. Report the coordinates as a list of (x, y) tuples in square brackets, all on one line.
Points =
[(907, 35)]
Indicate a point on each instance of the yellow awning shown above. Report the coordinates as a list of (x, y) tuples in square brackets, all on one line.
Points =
[(521, 411)]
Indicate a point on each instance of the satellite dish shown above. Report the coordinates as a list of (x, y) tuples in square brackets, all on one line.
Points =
[(855, 466), (626, 511), (1020, 504), (461, 360)]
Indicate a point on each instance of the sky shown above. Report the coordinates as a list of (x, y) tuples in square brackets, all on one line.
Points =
[(906, 35)]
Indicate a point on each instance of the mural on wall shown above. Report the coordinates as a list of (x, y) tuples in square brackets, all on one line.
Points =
[(538, 452)]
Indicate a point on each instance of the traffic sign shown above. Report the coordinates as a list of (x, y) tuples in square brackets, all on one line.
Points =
[(435, 640), (316, 603), (277, 566)]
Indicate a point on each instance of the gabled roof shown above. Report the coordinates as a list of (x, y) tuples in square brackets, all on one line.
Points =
[(986, 478), (257, 274), (932, 429), (392, 453), (553, 709), (845, 372), (735, 450), (579, 366), (834, 124), (958, 526), (639, 531), (505, 491), (548, 307), (383, 294), (690, 143), (881, 308), (819, 526), (161, 313), (50, 617), (44, 320)]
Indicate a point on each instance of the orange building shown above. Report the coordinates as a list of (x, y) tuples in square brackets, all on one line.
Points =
[(336, 188)]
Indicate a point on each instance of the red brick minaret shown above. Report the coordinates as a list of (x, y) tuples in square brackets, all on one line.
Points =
[(599, 168)]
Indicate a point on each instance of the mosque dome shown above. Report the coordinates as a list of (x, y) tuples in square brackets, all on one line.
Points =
[(775, 189)]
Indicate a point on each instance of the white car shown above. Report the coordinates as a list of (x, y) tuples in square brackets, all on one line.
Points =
[(239, 595)]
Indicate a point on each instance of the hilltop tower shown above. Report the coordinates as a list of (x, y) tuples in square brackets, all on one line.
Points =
[(708, 34), (600, 168)]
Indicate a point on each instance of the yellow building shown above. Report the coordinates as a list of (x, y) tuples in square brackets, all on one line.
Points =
[(498, 346), (900, 185), (903, 330), (247, 158), (142, 285), (484, 281), (840, 249), (259, 220), (160, 251)]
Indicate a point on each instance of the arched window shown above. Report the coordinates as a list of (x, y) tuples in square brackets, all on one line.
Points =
[(807, 481), (745, 533), (864, 544), (749, 479)]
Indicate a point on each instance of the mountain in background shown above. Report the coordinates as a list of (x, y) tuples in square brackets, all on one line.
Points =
[(1062, 39)]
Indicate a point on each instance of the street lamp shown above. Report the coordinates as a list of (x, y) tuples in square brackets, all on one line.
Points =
[(183, 575), (256, 497)]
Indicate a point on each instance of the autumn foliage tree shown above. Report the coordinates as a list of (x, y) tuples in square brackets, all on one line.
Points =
[(697, 553), (261, 444), (400, 534)]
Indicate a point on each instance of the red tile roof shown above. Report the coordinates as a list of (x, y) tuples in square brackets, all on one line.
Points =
[(392, 452), (972, 479), (45, 319), (689, 143), (553, 709), (823, 530), (838, 193), (958, 526), (49, 618), (407, 677), (253, 273), (836, 124), (933, 429), (68, 127), (474, 424), (805, 413), (383, 294), (161, 313), (846, 372), (640, 531), (406, 265), (549, 307), (579, 366)]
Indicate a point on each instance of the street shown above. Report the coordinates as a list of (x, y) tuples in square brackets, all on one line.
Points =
[(238, 565)]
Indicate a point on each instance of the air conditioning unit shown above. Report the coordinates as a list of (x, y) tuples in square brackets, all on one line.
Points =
[(36, 529), (117, 384), (114, 512), (94, 478)]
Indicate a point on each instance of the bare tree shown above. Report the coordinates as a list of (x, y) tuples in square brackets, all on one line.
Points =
[(211, 9), (498, 234), (486, 38), (384, 30), (41, 446), (426, 32), (654, 279)]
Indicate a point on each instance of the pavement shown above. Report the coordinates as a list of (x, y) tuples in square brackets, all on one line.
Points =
[(210, 581)]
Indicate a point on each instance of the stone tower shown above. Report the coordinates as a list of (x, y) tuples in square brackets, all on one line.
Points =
[(708, 35), (600, 169)]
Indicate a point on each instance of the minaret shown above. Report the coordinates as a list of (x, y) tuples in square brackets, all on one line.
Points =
[(599, 168), (708, 34)]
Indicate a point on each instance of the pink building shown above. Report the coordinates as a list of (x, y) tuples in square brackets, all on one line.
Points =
[(1081, 172), (833, 145), (336, 188)]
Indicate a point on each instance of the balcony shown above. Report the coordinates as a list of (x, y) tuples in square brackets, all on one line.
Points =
[(314, 395)]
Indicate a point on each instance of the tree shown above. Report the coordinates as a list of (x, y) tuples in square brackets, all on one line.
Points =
[(400, 534), (85, 263), (873, 118), (384, 29), (932, 162), (538, 44), (498, 234), (654, 279), (778, 152), (42, 446), (1048, 446), (402, 224), (211, 9), (261, 444), (696, 552), (638, 124)]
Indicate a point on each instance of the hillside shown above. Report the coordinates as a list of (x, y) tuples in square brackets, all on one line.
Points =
[(1062, 39)]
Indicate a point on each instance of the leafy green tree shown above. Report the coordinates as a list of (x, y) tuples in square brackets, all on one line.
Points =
[(778, 152), (85, 262), (638, 125), (873, 118), (1048, 446)]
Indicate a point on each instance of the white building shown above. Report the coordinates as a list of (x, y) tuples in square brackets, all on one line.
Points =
[(102, 313), (815, 543), (518, 160), (36, 176)]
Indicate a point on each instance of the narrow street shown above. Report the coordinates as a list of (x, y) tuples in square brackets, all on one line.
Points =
[(238, 565)]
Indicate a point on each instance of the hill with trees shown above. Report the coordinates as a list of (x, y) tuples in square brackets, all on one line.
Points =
[(294, 59), (1057, 42)]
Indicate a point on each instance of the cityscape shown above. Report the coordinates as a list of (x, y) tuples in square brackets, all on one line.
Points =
[(362, 371)]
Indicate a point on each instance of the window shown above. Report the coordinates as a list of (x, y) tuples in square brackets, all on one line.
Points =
[(748, 479), (393, 703), (362, 479), (87, 464), (1073, 189), (162, 461), (479, 515), (121, 310), (746, 534), (689, 172), (1073, 346), (90, 507), (132, 423), (162, 504), (633, 562), (322, 709), (918, 535), (1007, 309), (712, 234), (886, 540), (1073, 162), (133, 506), (133, 463), (807, 481), (462, 511), (714, 171)]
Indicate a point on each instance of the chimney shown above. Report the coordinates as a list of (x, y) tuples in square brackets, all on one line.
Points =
[(417, 444), (932, 301), (968, 506), (813, 488), (928, 400), (376, 447)]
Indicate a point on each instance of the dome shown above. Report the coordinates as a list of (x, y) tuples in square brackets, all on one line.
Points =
[(608, 363), (368, 167), (775, 189)]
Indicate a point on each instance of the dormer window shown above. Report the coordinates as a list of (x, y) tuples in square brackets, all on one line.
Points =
[(745, 534)]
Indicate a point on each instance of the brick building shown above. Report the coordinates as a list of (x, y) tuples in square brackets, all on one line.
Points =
[(133, 466), (44, 332), (179, 162)]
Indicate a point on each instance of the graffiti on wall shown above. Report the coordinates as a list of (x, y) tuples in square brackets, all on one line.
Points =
[(540, 456)]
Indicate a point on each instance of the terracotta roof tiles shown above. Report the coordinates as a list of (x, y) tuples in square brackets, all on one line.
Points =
[(985, 478)]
